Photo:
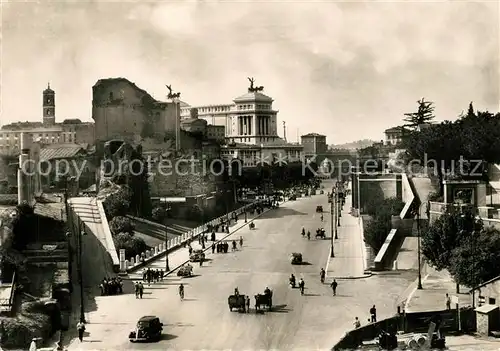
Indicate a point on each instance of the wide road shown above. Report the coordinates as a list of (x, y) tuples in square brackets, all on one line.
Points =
[(203, 319)]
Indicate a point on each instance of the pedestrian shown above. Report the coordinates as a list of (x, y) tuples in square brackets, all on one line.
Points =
[(334, 287), (162, 274), (241, 241), (213, 236), (373, 314), (448, 302), (247, 301), (227, 229), (81, 329), (201, 262), (33, 346), (213, 248), (136, 289), (357, 323), (141, 290)]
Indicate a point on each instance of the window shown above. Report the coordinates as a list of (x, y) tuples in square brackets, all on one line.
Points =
[(492, 301)]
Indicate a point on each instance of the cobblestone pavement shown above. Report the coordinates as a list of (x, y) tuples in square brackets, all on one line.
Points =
[(203, 320)]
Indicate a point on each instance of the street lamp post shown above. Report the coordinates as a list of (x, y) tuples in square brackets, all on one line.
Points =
[(80, 271), (332, 224), (246, 210), (337, 219), (167, 268), (419, 286)]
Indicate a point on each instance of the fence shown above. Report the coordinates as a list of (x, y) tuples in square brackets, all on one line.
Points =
[(148, 255), (7, 295), (417, 322)]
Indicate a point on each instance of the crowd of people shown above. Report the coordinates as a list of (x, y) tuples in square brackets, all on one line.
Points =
[(111, 286), (152, 275)]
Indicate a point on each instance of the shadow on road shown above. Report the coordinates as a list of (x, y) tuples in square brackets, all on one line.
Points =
[(190, 300), (280, 309), (304, 263), (192, 276), (168, 336), (282, 212), (307, 294)]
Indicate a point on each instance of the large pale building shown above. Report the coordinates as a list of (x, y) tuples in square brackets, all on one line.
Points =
[(47, 131), (251, 129)]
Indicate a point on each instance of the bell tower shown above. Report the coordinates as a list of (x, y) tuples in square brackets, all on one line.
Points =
[(49, 106)]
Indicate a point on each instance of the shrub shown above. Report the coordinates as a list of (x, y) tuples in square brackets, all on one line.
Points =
[(159, 214), (118, 204), (132, 245), (377, 230), (196, 213), (435, 197), (121, 224), (19, 331)]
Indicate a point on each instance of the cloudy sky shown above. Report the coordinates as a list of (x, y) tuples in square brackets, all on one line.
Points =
[(345, 69)]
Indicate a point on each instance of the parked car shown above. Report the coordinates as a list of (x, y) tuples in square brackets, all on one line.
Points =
[(149, 328), (319, 209), (292, 197), (197, 255)]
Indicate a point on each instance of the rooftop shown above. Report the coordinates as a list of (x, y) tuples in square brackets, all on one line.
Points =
[(313, 135), (394, 130), (59, 151), (253, 96)]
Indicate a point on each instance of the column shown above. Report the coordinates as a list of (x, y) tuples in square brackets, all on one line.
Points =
[(240, 125), (268, 118)]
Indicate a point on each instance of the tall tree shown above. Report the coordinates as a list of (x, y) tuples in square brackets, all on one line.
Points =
[(446, 234), (424, 114), (477, 259), (470, 111)]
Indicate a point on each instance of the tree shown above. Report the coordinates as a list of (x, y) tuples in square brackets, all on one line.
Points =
[(121, 224), (438, 147), (477, 259), (446, 234), (377, 230), (424, 114), (470, 111), (130, 243), (118, 204), (159, 214)]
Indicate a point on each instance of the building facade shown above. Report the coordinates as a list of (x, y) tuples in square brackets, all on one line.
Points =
[(250, 129), (314, 144), (122, 110), (48, 131), (393, 136)]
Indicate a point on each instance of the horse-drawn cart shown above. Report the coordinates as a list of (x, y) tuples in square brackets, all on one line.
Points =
[(296, 258), (237, 301), (265, 300)]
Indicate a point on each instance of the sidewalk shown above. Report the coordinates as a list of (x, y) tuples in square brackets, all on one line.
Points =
[(348, 262), (433, 295)]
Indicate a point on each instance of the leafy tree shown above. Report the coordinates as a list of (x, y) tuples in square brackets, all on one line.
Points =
[(118, 204), (438, 146), (372, 152), (120, 224), (130, 243), (377, 230), (424, 114), (446, 234), (477, 259), (470, 111), (159, 214)]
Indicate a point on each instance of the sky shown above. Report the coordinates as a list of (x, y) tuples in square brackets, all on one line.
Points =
[(348, 70)]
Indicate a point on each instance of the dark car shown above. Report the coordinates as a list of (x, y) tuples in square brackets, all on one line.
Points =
[(148, 328), (197, 255), (319, 209)]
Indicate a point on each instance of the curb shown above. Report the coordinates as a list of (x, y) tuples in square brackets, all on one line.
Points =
[(354, 277)]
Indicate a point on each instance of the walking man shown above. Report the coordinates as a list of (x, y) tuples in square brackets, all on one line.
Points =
[(81, 329), (141, 290), (334, 287), (373, 314), (448, 302)]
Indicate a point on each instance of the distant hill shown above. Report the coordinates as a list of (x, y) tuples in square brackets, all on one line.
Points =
[(359, 144)]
